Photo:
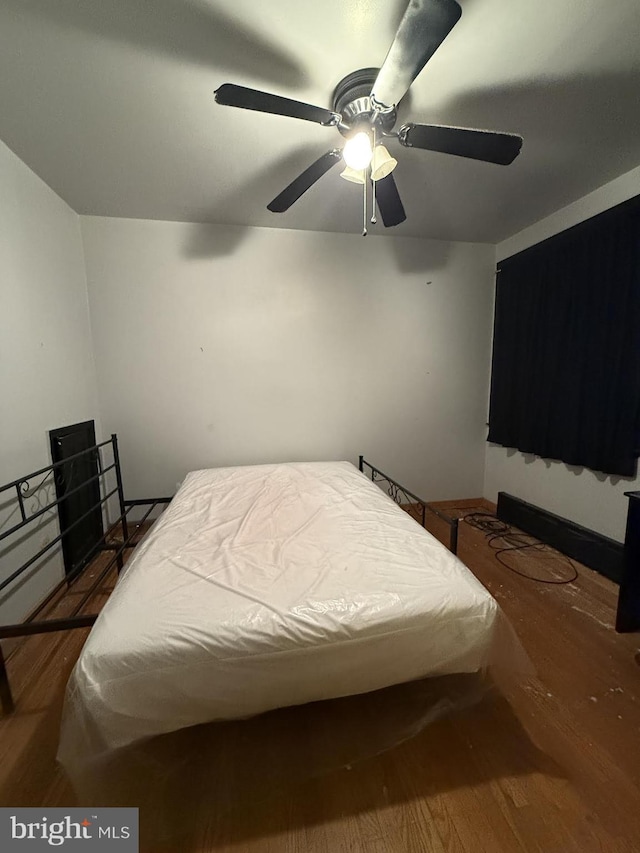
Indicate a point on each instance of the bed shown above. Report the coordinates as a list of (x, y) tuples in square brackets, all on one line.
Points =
[(269, 586)]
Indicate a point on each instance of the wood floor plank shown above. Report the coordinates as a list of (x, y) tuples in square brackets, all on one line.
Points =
[(551, 764)]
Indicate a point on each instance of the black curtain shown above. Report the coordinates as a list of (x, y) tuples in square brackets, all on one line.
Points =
[(565, 378)]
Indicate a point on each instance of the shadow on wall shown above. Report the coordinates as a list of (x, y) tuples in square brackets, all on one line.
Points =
[(184, 30), (412, 255), (576, 470), (213, 240)]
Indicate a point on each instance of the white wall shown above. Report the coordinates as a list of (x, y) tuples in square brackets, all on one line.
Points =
[(47, 376), (227, 345), (586, 497)]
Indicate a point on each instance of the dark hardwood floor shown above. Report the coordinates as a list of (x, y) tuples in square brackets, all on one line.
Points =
[(549, 764)]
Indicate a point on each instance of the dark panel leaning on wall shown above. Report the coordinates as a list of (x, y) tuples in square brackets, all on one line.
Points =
[(592, 549)]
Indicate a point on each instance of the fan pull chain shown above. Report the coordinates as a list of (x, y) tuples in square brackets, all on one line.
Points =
[(373, 196), (373, 205), (364, 208)]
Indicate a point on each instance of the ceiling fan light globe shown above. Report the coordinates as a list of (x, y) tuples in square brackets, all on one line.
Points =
[(382, 163), (357, 151), (356, 176)]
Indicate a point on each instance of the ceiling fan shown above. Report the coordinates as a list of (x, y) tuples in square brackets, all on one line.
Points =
[(364, 110)]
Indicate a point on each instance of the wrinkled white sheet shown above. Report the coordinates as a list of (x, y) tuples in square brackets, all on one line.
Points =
[(267, 586)]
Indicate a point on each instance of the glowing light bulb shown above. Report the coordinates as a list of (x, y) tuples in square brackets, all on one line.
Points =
[(357, 151)]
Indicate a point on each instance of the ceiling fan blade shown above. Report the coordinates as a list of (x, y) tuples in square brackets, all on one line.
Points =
[(487, 145), (423, 28), (304, 181), (263, 102), (389, 202)]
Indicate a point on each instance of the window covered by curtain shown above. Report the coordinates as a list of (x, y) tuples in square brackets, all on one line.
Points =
[(565, 378)]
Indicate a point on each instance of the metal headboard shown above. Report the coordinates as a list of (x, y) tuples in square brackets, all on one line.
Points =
[(414, 505), (23, 488)]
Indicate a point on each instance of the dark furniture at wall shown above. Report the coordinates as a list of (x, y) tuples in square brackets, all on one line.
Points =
[(628, 616), (80, 514)]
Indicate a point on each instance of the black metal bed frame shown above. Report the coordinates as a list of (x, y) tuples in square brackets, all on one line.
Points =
[(23, 492), (417, 508)]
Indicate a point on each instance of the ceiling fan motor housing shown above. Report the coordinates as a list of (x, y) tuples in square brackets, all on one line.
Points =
[(351, 98)]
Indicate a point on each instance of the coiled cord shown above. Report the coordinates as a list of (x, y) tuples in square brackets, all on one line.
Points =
[(504, 540)]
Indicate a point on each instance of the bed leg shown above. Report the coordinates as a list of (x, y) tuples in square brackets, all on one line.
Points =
[(6, 699)]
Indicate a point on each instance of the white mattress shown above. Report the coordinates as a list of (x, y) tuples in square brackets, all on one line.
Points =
[(274, 585)]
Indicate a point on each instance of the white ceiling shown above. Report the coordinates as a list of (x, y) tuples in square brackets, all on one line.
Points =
[(111, 103)]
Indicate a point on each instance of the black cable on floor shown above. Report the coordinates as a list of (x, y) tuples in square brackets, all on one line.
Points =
[(498, 532)]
